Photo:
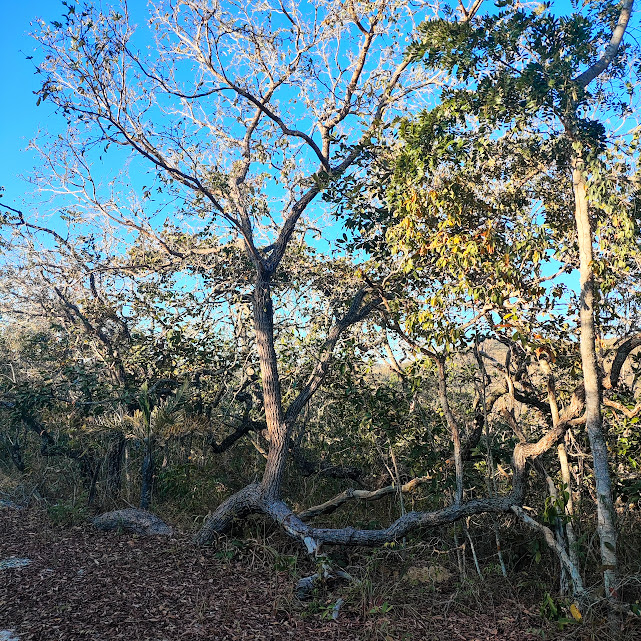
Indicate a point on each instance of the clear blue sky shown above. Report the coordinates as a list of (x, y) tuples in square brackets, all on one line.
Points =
[(20, 119)]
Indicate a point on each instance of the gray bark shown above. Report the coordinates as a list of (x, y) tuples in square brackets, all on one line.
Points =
[(147, 475), (591, 380), (453, 426), (253, 499), (572, 569), (592, 383), (132, 520)]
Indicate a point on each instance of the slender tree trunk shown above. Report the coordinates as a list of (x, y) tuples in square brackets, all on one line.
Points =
[(147, 475), (127, 472), (277, 429), (569, 507), (559, 522), (594, 423), (115, 456), (94, 482), (451, 423)]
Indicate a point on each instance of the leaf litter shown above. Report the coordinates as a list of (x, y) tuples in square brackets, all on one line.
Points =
[(85, 584)]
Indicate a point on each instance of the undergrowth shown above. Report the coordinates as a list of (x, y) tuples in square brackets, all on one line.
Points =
[(431, 572)]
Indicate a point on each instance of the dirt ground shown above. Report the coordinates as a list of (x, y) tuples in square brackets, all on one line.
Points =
[(85, 584)]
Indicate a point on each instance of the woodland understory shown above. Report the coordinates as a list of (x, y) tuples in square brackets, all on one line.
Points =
[(364, 275)]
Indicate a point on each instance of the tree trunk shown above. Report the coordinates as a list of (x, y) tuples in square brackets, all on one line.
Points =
[(569, 508), (147, 476), (594, 423), (94, 483), (451, 423), (115, 457), (277, 429)]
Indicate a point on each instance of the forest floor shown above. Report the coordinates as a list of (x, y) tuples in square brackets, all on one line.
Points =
[(85, 584)]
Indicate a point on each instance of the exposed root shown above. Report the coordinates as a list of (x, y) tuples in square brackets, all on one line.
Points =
[(237, 506)]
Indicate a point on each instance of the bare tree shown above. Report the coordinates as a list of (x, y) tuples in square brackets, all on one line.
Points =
[(245, 112)]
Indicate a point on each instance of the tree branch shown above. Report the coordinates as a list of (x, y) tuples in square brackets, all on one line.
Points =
[(611, 50)]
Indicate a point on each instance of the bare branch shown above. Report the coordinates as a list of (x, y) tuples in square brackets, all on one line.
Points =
[(611, 50), (362, 495)]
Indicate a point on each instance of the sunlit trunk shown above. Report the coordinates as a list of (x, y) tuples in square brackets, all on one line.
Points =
[(274, 417), (594, 423)]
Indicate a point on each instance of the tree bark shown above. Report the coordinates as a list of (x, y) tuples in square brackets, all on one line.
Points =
[(253, 499), (115, 457), (569, 507), (594, 422), (364, 495), (277, 428), (147, 476), (237, 506), (451, 423)]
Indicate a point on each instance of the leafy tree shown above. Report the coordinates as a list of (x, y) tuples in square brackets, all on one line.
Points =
[(479, 208), (243, 117)]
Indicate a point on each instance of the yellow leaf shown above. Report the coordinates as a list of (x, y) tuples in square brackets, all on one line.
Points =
[(574, 611)]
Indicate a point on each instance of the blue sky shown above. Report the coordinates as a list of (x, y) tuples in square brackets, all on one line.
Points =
[(19, 117)]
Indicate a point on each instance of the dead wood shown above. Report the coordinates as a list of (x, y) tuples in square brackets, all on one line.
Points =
[(132, 520)]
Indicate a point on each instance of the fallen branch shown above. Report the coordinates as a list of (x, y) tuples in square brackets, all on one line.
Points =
[(363, 495), (314, 538), (253, 500)]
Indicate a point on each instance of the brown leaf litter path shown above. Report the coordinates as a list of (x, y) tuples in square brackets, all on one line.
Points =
[(84, 584)]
